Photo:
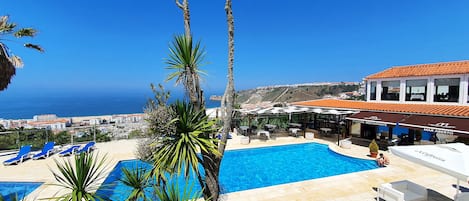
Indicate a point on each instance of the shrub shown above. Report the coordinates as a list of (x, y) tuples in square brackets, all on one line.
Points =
[(373, 146)]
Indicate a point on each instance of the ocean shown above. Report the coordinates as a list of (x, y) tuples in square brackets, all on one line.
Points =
[(25, 106)]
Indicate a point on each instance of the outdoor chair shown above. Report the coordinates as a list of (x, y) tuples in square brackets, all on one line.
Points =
[(47, 150), (69, 151), (23, 154), (402, 191), (87, 148)]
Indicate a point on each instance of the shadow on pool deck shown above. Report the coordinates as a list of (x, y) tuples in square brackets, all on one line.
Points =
[(432, 196)]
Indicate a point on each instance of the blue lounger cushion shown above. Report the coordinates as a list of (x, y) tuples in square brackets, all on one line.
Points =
[(23, 153), (87, 148), (47, 150), (69, 151)]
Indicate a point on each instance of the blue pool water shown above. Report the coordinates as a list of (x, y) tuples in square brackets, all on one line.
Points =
[(260, 167), (20, 189)]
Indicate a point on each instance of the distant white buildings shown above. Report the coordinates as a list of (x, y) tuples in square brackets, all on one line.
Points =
[(52, 122)]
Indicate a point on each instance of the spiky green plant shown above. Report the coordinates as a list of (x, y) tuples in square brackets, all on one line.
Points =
[(178, 153), (171, 192), (137, 179), (80, 177), (185, 58)]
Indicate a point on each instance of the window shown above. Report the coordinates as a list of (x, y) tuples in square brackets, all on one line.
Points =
[(446, 90), (391, 90), (372, 90), (416, 90)]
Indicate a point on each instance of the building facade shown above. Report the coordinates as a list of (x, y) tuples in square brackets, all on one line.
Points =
[(425, 103)]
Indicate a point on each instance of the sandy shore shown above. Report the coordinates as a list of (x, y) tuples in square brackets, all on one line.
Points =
[(354, 186)]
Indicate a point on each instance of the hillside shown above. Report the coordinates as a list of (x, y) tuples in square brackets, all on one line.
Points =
[(294, 93)]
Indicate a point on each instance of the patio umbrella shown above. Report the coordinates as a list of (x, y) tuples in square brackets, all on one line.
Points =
[(451, 159)]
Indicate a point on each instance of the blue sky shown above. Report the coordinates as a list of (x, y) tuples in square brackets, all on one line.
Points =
[(108, 45)]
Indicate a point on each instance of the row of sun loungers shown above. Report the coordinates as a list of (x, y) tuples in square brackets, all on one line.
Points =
[(25, 152)]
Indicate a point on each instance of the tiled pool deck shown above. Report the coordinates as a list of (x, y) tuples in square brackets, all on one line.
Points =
[(358, 186)]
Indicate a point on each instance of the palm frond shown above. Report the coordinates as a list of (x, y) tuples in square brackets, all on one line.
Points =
[(137, 179), (23, 32), (80, 177), (184, 57), (172, 192), (7, 68), (179, 152), (34, 46)]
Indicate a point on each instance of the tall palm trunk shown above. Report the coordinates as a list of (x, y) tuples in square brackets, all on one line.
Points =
[(212, 164), (194, 91), (184, 6)]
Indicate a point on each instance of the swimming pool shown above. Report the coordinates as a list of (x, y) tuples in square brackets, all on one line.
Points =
[(19, 189), (261, 167)]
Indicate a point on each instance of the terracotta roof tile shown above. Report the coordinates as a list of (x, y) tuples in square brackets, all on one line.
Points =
[(427, 109), (444, 68)]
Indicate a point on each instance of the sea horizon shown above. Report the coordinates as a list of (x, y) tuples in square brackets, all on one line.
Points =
[(25, 106)]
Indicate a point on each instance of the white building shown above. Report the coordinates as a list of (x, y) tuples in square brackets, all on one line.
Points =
[(438, 83)]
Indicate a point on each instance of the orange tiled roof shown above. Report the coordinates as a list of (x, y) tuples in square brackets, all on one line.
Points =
[(444, 68), (427, 109)]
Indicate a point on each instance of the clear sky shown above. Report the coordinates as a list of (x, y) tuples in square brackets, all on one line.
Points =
[(121, 45)]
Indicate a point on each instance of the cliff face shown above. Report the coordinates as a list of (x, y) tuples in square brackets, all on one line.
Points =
[(293, 93)]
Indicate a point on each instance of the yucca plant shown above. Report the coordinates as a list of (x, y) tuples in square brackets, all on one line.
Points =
[(185, 58), (80, 177), (178, 153), (137, 179), (171, 192)]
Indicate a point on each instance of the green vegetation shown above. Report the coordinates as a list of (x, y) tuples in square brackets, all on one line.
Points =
[(38, 137), (292, 94), (373, 147), (178, 152), (8, 61), (136, 178), (80, 177)]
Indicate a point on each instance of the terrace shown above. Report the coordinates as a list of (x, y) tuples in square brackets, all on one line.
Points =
[(353, 186)]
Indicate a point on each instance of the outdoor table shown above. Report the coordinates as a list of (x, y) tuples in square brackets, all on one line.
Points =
[(244, 129), (294, 131), (326, 130)]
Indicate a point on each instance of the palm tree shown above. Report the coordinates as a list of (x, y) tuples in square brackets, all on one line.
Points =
[(80, 177), (185, 58), (9, 62), (178, 152)]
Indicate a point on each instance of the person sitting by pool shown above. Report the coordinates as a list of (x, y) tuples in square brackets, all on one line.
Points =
[(382, 160)]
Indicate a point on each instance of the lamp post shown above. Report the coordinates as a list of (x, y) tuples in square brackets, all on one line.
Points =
[(340, 125)]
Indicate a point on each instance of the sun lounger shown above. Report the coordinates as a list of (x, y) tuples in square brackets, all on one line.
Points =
[(47, 150), (87, 148), (69, 151), (402, 191), (23, 153)]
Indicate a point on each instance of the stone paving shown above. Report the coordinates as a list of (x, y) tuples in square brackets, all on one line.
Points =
[(360, 186)]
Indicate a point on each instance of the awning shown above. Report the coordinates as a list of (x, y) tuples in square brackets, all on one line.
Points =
[(377, 118), (446, 125)]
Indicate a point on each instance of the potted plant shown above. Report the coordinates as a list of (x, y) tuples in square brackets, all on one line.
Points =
[(373, 148)]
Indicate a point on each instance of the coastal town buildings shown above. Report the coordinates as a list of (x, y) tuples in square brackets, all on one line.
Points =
[(408, 105)]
